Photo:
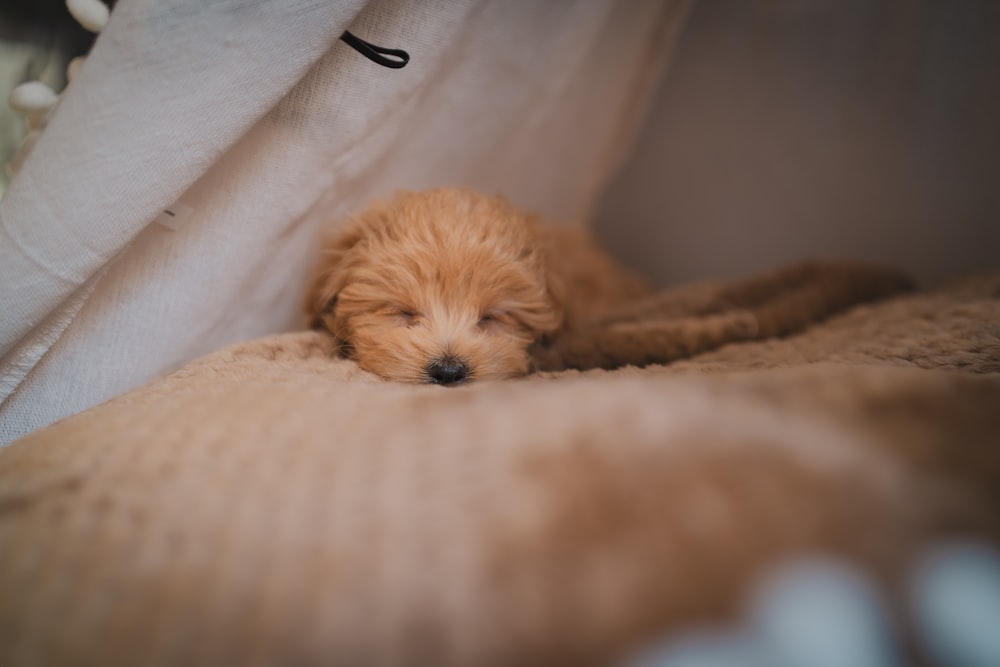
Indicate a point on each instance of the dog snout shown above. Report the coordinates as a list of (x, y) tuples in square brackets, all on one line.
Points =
[(447, 370)]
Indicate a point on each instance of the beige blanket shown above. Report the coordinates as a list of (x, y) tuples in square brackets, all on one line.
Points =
[(272, 504)]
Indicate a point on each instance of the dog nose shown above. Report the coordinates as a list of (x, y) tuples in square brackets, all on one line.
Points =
[(447, 371)]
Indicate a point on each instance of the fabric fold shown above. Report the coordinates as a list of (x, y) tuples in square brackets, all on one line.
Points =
[(168, 88)]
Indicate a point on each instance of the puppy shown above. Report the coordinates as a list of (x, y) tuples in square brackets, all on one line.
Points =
[(448, 286)]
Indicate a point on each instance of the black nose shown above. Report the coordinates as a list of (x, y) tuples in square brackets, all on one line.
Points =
[(447, 371)]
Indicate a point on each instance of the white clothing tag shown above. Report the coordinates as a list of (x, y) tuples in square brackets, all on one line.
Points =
[(175, 215)]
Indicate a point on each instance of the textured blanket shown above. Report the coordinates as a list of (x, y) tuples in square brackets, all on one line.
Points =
[(272, 504)]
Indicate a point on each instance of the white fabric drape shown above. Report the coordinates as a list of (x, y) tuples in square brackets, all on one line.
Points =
[(254, 125)]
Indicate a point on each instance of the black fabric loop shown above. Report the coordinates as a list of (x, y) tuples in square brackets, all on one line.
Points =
[(394, 58)]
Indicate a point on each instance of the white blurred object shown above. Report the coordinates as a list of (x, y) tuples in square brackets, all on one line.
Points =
[(32, 97), (91, 14), (709, 649), (820, 613), (956, 602)]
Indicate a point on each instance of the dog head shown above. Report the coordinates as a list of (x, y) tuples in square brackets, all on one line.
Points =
[(443, 286)]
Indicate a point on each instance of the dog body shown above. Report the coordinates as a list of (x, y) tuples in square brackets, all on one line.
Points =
[(450, 285)]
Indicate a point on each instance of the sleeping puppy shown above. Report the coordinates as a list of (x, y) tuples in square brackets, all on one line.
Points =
[(448, 286)]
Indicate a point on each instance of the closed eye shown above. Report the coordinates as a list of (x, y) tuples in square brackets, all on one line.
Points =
[(408, 316), (493, 319)]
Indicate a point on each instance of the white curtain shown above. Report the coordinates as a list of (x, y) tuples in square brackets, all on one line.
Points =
[(252, 124)]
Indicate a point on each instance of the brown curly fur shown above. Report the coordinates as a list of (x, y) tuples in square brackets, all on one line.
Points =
[(450, 273), (453, 274)]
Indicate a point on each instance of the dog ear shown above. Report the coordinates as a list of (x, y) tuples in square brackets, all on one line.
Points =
[(555, 291), (328, 277), (555, 283), (541, 315)]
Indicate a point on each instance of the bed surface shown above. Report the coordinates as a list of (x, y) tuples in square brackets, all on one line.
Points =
[(272, 504)]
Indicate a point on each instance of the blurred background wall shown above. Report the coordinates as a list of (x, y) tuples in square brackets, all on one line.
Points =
[(796, 128)]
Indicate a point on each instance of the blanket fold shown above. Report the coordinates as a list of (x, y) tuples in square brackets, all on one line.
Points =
[(273, 504), (683, 322)]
